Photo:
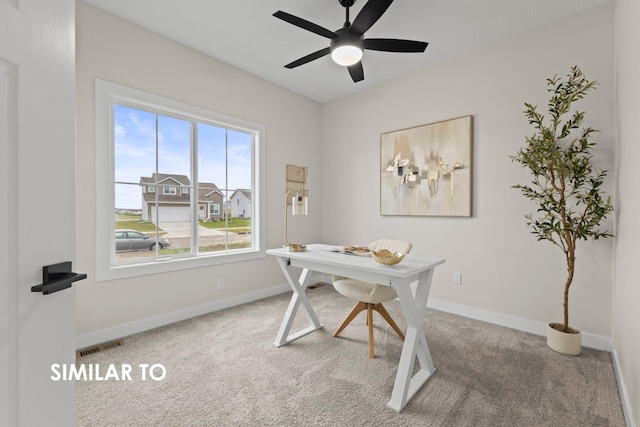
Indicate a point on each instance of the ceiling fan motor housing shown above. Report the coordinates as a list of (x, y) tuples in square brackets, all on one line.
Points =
[(347, 3), (345, 37)]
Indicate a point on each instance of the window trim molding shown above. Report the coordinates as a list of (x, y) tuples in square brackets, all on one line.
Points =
[(108, 93)]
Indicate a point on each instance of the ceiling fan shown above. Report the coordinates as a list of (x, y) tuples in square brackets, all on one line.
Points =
[(348, 43)]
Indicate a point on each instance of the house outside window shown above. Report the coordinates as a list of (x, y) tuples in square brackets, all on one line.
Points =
[(146, 141), (241, 206)]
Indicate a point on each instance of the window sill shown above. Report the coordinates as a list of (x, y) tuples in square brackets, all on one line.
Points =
[(163, 265)]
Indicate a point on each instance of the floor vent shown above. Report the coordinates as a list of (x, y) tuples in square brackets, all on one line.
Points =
[(99, 348)]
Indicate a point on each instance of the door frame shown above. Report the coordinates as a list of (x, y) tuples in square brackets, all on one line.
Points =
[(8, 275)]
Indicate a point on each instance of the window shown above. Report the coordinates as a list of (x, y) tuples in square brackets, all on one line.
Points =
[(146, 141)]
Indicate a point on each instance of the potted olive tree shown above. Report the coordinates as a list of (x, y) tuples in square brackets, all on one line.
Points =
[(565, 186)]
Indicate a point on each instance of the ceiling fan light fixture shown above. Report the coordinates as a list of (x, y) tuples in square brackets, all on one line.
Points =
[(346, 55), (347, 51)]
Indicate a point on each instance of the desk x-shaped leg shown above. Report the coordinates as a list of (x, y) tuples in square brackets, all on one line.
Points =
[(415, 343), (299, 297)]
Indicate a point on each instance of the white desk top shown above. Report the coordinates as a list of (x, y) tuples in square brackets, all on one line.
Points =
[(323, 258)]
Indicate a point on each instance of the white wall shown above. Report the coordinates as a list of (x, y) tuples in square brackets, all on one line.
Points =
[(505, 270), (115, 50), (626, 293)]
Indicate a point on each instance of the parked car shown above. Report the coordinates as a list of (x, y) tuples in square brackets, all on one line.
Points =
[(131, 240)]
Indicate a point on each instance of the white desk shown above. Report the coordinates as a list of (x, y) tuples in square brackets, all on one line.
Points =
[(321, 259)]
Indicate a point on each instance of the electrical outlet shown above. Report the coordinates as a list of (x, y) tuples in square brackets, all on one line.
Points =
[(220, 284), (457, 278)]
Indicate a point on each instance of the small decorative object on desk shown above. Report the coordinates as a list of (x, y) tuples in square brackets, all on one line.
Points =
[(355, 250), (386, 257)]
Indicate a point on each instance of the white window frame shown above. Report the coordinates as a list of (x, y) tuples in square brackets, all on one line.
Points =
[(214, 209), (151, 188), (106, 95), (166, 190)]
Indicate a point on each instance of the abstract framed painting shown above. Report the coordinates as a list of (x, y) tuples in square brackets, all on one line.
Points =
[(426, 170)]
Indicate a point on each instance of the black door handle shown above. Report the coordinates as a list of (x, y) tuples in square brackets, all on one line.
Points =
[(57, 277)]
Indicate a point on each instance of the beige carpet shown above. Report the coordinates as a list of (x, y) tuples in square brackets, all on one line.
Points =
[(223, 370)]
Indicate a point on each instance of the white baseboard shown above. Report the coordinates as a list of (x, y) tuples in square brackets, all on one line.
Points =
[(597, 342), (629, 416), (117, 332)]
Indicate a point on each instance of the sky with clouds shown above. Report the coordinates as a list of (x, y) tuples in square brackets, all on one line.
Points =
[(224, 155)]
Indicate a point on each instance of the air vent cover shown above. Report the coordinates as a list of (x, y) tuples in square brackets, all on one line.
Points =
[(99, 348)]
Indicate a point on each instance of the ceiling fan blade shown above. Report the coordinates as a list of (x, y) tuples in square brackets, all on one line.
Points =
[(305, 25), (311, 57), (356, 71), (395, 45), (369, 15)]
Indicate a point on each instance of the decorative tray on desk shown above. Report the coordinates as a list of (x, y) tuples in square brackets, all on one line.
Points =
[(354, 250)]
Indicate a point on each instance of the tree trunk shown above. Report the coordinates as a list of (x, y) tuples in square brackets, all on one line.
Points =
[(571, 264)]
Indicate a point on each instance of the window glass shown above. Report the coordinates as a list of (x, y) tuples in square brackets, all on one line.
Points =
[(168, 171), (225, 161)]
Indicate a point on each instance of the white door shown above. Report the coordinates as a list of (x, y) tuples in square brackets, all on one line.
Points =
[(37, 208)]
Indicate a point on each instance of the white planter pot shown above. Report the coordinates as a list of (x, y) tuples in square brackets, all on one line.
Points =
[(569, 343)]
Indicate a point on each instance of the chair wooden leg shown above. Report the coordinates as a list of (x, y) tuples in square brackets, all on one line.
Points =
[(354, 312), (384, 313), (360, 306), (370, 323)]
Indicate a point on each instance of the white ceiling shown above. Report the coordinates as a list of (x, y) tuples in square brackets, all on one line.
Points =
[(244, 34)]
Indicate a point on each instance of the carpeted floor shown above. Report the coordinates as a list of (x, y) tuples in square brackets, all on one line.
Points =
[(222, 369)]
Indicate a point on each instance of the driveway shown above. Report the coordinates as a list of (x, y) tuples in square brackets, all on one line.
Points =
[(183, 229), (180, 235)]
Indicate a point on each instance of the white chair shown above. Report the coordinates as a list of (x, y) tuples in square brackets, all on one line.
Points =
[(370, 296)]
